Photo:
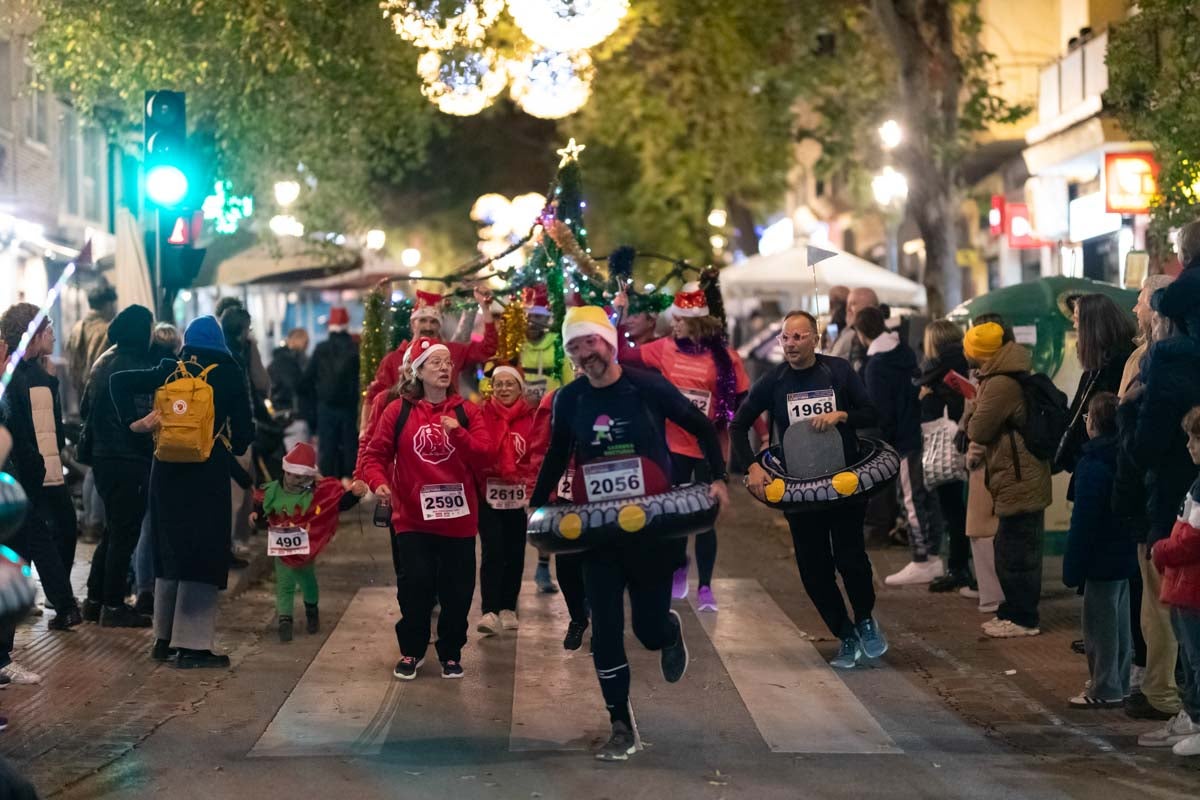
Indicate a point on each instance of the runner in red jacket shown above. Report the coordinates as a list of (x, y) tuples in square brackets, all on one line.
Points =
[(507, 483), (424, 457)]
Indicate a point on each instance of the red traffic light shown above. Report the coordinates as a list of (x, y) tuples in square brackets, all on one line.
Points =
[(181, 232)]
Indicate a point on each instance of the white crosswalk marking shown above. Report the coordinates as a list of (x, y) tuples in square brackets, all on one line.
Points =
[(797, 701), (556, 704), (344, 703)]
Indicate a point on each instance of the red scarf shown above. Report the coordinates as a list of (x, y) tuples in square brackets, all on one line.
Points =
[(506, 466)]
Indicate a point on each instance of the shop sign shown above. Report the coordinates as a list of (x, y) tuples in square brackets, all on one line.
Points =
[(1130, 182)]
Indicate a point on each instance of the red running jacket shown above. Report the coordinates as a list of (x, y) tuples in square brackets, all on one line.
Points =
[(1178, 558)]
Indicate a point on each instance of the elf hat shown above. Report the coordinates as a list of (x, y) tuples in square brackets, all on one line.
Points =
[(515, 372), (588, 321), (427, 304), (536, 299), (690, 301), (339, 319), (301, 460), (420, 350)]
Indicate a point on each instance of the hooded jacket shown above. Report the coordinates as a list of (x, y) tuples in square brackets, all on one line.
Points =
[(1099, 546), (104, 435), (33, 415), (513, 459), (933, 373), (424, 456), (1018, 481), (1178, 557), (889, 371)]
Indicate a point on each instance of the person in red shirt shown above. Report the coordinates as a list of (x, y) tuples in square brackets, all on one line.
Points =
[(424, 455), (502, 514), (427, 324), (698, 362)]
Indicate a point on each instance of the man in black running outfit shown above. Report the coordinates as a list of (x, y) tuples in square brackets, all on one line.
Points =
[(614, 422)]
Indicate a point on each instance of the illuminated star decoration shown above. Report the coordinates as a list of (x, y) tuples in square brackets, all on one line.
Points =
[(570, 152)]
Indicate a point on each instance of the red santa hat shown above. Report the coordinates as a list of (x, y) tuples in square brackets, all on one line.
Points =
[(339, 319), (422, 349), (427, 304), (515, 372), (536, 299), (690, 301), (301, 460)]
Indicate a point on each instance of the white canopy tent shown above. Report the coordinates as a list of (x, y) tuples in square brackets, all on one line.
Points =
[(787, 279)]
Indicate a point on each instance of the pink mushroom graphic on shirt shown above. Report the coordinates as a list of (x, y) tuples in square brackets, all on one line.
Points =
[(603, 428)]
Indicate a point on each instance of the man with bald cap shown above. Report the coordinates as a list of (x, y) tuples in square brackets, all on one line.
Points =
[(847, 345)]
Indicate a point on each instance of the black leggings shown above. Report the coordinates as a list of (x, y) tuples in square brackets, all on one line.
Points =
[(569, 567), (685, 469), (433, 569), (828, 544), (952, 498), (123, 485), (502, 540), (607, 573)]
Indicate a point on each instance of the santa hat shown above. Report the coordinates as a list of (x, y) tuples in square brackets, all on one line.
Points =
[(690, 301), (301, 460), (339, 319), (505, 369), (427, 304), (588, 321), (422, 349), (536, 299)]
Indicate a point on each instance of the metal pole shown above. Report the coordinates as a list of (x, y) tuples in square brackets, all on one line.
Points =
[(158, 291), (893, 243)]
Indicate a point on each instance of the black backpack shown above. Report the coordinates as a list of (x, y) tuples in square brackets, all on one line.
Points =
[(1047, 414)]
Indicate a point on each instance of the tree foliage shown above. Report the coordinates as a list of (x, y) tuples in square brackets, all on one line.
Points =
[(1154, 89), (271, 84)]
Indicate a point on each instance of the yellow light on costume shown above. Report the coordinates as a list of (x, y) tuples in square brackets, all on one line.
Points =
[(774, 491), (631, 518), (845, 483), (570, 526)]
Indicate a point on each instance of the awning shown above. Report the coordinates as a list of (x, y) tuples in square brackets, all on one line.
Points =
[(362, 277), (284, 260)]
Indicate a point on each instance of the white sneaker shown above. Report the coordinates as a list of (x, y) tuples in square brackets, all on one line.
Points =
[(1007, 629), (1187, 747), (18, 674), (1136, 676), (967, 591), (489, 624), (916, 572), (1177, 729), (989, 608), (508, 620)]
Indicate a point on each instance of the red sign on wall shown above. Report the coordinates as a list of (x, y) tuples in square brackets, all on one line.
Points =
[(1130, 182)]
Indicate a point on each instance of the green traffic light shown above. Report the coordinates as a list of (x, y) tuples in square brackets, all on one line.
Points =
[(166, 185)]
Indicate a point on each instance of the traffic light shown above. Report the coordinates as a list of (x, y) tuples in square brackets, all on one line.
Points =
[(167, 163), (179, 259)]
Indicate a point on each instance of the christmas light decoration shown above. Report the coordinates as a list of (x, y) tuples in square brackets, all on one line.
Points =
[(442, 24), (461, 82), (568, 24), (376, 334), (551, 84)]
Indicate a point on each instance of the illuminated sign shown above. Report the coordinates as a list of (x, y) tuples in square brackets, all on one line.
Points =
[(1130, 182), (1019, 228), (226, 211)]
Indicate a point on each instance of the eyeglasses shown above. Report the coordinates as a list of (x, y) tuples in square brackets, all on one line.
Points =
[(787, 338), (438, 363)]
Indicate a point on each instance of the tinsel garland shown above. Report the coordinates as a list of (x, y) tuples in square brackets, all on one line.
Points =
[(401, 321), (510, 328), (561, 233), (725, 401), (373, 346)]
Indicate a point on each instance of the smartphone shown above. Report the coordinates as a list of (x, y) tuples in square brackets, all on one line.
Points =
[(383, 514), (959, 384)]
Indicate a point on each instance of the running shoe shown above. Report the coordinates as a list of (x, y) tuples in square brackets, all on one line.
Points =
[(285, 629), (1179, 728), (915, 573), (1007, 629), (874, 644), (1084, 700), (4, 681), (19, 675), (508, 620), (66, 620), (406, 668), (1138, 706), (848, 654), (679, 583), (541, 576), (675, 656), (971, 592), (953, 579), (574, 638), (620, 745), (1187, 747), (705, 600), (452, 669), (489, 624)]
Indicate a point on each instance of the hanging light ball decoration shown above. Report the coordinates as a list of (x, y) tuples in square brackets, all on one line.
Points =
[(568, 24), (461, 82), (442, 24), (551, 84)]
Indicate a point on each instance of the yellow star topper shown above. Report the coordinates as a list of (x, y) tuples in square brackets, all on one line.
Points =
[(570, 152)]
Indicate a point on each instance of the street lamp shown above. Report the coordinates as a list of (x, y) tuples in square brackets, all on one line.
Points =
[(891, 190), (376, 239), (286, 193), (891, 134), (410, 257)]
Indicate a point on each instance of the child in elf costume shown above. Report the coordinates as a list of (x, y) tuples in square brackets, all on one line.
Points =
[(301, 511)]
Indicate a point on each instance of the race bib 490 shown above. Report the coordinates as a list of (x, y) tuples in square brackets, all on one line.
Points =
[(443, 501), (287, 541), (804, 406)]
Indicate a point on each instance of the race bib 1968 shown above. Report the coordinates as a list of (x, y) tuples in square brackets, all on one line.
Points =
[(806, 405), (287, 540), (610, 480), (699, 398), (443, 501), (504, 496)]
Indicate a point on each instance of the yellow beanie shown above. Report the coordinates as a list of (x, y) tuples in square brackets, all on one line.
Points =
[(588, 321), (983, 341)]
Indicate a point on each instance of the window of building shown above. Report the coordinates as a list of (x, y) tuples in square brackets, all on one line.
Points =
[(68, 162), (93, 167), (6, 105), (81, 168), (37, 112)]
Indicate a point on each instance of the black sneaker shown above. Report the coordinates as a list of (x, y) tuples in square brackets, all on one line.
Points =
[(145, 604), (201, 659), (406, 668), (452, 669), (620, 746), (65, 620), (91, 610), (574, 638), (1138, 706), (1077, 647), (162, 650), (4, 681), (312, 619), (123, 616), (675, 655), (950, 581), (236, 562), (285, 629)]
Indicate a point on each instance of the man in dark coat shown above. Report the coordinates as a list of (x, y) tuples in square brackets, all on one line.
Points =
[(287, 392), (190, 504), (120, 460), (332, 375)]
